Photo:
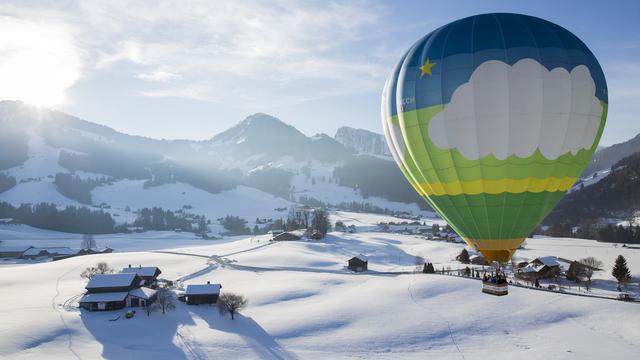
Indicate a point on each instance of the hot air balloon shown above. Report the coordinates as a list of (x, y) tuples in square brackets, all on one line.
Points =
[(492, 118)]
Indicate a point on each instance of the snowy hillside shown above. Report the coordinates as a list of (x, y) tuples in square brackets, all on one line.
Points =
[(363, 141), (249, 170), (304, 304)]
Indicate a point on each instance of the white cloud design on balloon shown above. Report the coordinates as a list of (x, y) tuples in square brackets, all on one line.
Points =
[(509, 110)]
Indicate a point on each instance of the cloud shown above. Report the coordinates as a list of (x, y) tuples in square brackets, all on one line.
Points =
[(513, 110), (264, 52)]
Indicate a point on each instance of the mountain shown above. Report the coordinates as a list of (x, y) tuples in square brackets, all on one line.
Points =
[(270, 139), (603, 159), (613, 196), (250, 170), (363, 141)]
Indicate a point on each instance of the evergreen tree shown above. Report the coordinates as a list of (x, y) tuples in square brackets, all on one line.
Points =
[(464, 257), (621, 271)]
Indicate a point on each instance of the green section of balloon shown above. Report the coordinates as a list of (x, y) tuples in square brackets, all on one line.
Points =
[(492, 118)]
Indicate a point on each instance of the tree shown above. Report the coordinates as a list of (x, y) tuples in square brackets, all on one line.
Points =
[(100, 268), (420, 262), (231, 303), (428, 269), (88, 242), (340, 226), (591, 264), (320, 222), (621, 271), (164, 300), (464, 257)]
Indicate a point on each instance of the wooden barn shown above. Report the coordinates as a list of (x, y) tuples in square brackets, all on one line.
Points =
[(109, 291), (202, 293), (358, 263), (148, 273)]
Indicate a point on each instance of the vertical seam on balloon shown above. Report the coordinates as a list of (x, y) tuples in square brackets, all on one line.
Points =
[(464, 196), (525, 194), (505, 194), (551, 199)]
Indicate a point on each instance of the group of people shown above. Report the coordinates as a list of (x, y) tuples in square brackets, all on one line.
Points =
[(494, 278)]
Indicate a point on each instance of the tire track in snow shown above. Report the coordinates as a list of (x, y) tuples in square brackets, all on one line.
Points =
[(60, 313)]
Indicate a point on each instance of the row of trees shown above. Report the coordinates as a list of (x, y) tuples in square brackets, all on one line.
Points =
[(160, 219), (607, 233), (6, 182), (72, 219), (74, 187)]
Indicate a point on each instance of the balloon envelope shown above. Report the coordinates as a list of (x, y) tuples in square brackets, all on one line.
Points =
[(492, 118)]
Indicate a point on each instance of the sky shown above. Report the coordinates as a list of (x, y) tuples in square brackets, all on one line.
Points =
[(190, 69)]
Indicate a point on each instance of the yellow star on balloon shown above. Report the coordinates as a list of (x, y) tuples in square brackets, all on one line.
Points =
[(426, 68)]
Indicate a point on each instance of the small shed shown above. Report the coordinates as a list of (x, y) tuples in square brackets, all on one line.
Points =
[(358, 263), (141, 297), (202, 293), (148, 273)]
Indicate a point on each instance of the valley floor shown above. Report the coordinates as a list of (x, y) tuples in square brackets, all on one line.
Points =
[(303, 304)]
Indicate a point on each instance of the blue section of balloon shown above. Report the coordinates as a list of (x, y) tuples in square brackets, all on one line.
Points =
[(460, 47)]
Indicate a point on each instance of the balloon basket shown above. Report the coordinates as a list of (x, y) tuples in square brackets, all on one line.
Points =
[(495, 289)]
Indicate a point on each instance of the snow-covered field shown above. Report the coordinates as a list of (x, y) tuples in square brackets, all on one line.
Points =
[(303, 304)]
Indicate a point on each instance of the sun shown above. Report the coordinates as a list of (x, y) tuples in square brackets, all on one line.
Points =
[(38, 62)]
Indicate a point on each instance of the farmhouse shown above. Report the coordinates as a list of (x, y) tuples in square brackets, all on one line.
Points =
[(109, 291), (287, 236), (358, 263), (49, 252), (13, 251), (148, 273), (477, 259), (203, 293)]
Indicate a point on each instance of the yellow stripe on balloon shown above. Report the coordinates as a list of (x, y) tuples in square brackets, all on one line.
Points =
[(514, 186)]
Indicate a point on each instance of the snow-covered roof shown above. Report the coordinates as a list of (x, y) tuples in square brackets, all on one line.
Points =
[(362, 257), (51, 250), (104, 297), (548, 260), (110, 280), (143, 293), (141, 271), (475, 257), (203, 289), (20, 248), (528, 269)]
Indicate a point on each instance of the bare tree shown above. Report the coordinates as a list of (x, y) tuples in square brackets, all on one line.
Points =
[(231, 303), (591, 264), (148, 307), (164, 300), (100, 268), (88, 242)]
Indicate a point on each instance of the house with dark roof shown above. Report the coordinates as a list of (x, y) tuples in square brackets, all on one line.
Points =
[(287, 236), (13, 251), (109, 291), (202, 293), (49, 252), (148, 273), (358, 263)]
